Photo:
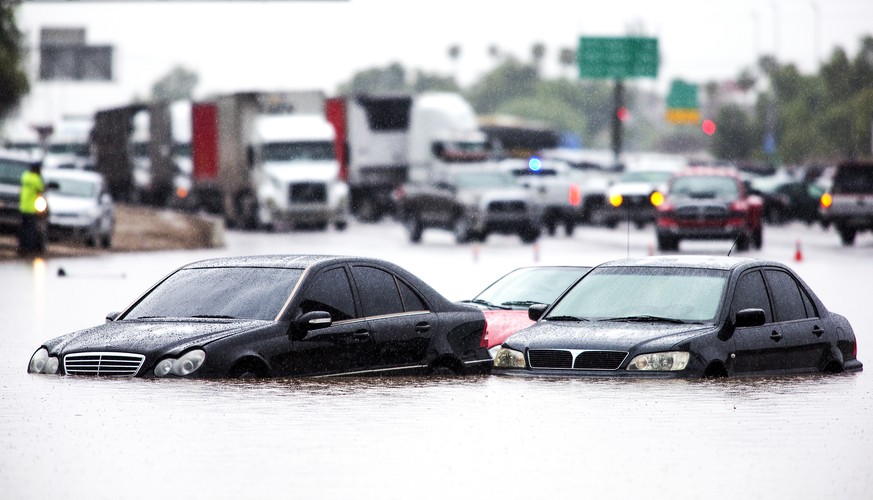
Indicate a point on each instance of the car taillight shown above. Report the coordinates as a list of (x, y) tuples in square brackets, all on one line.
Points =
[(826, 200), (399, 193), (574, 195), (483, 342)]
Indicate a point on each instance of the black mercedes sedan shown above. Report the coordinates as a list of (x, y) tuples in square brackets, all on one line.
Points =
[(283, 315), (682, 316)]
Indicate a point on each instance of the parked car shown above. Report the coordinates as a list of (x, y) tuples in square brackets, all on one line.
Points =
[(848, 205), (283, 315), (472, 202), (506, 301), (81, 207), (685, 316), (636, 196), (550, 183), (709, 203)]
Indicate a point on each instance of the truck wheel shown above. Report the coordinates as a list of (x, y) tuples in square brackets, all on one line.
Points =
[(847, 235), (529, 234), (758, 238), (340, 225), (743, 242), (247, 210), (569, 227), (667, 243), (367, 210), (413, 226), (462, 231)]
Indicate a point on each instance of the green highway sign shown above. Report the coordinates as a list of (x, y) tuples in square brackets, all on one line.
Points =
[(617, 57), (682, 106)]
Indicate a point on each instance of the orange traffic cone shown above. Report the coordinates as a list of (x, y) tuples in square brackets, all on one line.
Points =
[(798, 253)]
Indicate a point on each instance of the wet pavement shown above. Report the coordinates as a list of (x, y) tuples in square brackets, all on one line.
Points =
[(806, 437)]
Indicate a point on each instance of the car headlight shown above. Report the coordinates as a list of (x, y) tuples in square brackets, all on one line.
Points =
[(660, 361), (509, 358), (41, 362), (185, 364), (493, 351)]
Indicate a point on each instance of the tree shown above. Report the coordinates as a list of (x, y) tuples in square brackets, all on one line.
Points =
[(735, 138), (567, 59), (538, 52), (178, 84), (14, 83)]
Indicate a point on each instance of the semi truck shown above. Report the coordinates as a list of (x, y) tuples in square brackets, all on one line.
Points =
[(267, 159)]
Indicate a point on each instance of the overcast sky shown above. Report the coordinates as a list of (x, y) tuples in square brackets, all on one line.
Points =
[(297, 45)]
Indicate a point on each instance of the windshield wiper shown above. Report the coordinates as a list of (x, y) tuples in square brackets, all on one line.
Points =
[(487, 304), (565, 318), (213, 316), (646, 317), (520, 303)]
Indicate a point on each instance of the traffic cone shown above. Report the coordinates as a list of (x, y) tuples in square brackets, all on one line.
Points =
[(798, 253)]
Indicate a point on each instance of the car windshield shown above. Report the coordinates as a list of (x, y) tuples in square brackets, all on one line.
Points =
[(650, 176), (705, 186), (479, 180), (530, 285), (74, 188), (685, 294), (223, 292), (291, 151)]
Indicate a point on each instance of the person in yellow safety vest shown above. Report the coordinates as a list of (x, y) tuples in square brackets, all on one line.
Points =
[(30, 238)]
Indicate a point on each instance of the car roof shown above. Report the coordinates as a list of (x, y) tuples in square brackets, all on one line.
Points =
[(691, 261), (301, 261)]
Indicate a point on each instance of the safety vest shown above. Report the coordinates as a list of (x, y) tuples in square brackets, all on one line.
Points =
[(31, 187)]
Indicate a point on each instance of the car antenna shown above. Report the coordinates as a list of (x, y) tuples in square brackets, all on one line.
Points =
[(731, 249)]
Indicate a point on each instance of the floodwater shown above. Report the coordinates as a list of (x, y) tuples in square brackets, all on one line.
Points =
[(807, 437)]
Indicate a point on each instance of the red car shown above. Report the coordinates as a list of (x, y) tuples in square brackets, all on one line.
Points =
[(709, 203), (506, 301)]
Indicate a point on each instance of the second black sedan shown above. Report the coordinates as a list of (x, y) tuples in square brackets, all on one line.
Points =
[(683, 316), (291, 315)]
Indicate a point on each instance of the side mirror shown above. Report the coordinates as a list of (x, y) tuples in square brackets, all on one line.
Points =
[(112, 316), (314, 320), (535, 312), (749, 317)]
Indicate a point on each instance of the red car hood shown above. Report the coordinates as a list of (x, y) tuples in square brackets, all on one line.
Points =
[(502, 324)]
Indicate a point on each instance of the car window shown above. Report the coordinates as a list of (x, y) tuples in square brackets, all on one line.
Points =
[(233, 292), (705, 186), (787, 300), (75, 188), (330, 291), (752, 294), (378, 291), (411, 300), (853, 179)]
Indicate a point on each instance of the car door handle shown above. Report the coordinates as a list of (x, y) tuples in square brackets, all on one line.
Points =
[(422, 327), (817, 330), (776, 336), (361, 336)]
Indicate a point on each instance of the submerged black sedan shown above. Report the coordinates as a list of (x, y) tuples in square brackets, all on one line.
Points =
[(287, 315), (683, 316)]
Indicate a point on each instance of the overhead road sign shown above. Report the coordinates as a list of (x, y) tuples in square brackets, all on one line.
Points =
[(617, 57), (682, 104)]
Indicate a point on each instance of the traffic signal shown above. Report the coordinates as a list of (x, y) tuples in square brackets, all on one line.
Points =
[(708, 127)]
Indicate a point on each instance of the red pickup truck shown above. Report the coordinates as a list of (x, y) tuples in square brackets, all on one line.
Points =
[(708, 203)]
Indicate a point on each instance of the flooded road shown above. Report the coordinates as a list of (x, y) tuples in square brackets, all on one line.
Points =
[(806, 437)]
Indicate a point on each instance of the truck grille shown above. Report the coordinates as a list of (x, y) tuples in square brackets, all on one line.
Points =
[(307, 192), (585, 360), (118, 364), (505, 207), (701, 213)]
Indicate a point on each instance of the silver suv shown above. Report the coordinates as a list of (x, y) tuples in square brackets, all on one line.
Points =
[(848, 205)]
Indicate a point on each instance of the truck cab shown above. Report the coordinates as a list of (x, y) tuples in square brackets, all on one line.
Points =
[(296, 173)]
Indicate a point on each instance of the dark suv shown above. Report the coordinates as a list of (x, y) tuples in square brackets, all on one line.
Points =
[(707, 203), (849, 203)]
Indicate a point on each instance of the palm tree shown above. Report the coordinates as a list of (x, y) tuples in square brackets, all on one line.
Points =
[(454, 55), (538, 51), (567, 59)]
